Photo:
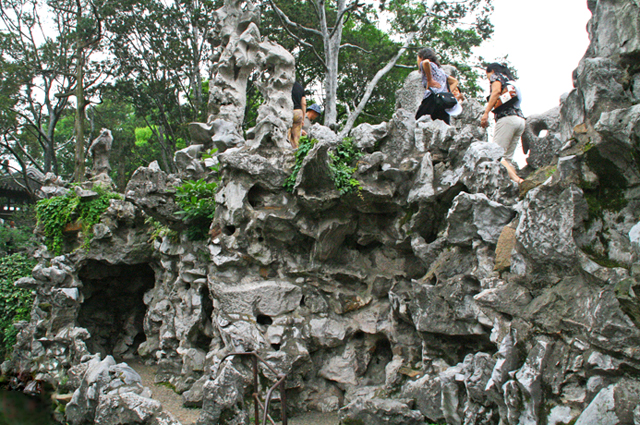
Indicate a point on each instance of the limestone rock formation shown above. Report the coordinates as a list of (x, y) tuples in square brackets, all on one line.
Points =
[(432, 293)]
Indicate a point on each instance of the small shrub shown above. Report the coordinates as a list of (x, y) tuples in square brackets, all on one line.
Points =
[(341, 165), (301, 153), (345, 156), (15, 303), (56, 213), (196, 199)]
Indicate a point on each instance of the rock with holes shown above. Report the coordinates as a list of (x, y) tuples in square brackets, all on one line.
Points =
[(542, 149)]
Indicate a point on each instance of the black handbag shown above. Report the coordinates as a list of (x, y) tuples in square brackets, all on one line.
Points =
[(444, 100)]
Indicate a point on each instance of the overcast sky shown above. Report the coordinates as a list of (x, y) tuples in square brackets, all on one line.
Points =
[(545, 40)]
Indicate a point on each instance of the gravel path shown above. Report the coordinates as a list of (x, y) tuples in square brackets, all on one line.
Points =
[(171, 401)]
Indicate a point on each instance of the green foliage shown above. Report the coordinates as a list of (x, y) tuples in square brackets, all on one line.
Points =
[(197, 204), (16, 235), (342, 166), (301, 153), (56, 213), (15, 303)]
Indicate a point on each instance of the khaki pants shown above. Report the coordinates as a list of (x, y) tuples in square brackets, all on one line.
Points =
[(296, 128), (507, 133)]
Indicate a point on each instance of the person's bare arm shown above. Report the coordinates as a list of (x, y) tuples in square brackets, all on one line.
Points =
[(453, 83), (426, 68), (303, 102), (495, 93)]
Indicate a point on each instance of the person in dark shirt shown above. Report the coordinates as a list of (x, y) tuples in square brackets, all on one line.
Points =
[(299, 111)]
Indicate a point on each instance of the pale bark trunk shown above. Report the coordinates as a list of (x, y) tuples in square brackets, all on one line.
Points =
[(331, 40), (79, 169)]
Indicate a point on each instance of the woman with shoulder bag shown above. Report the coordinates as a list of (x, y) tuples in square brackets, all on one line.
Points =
[(504, 101), (435, 81)]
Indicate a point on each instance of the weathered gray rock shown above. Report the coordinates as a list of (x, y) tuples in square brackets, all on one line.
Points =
[(367, 136), (381, 412), (151, 189), (410, 95), (224, 396), (484, 219), (389, 300), (613, 405)]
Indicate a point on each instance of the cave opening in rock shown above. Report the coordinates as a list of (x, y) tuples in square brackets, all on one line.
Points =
[(381, 356), (202, 335), (113, 309)]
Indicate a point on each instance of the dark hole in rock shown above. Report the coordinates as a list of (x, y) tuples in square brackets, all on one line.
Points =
[(263, 319), (454, 348), (229, 230), (382, 355), (113, 309), (204, 333), (259, 197), (275, 347), (302, 304), (358, 335)]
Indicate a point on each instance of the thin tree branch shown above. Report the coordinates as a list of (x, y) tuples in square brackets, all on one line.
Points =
[(304, 43), (355, 47), (354, 6), (290, 23)]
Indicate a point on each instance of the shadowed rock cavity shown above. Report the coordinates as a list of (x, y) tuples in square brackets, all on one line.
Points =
[(113, 310)]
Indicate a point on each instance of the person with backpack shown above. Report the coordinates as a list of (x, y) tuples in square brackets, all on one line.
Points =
[(504, 101), (437, 85)]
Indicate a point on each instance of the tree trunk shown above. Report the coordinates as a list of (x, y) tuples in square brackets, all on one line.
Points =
[(79, 169), (331, 37)]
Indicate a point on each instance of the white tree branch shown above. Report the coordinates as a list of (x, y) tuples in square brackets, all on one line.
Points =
[(285, 19), (355, 47), (372, 84), (353, 6)]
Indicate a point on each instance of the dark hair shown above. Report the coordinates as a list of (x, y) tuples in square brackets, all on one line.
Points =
[(427, 53), (500, 69)]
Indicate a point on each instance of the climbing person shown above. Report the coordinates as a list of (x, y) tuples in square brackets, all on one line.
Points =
[(299, 111), (504, 101), (313, 112), (434, 80)]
